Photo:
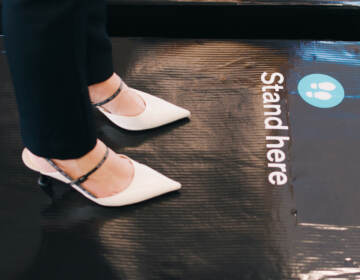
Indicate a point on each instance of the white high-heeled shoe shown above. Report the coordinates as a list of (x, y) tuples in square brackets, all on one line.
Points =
[(157, 112), (146, 183)]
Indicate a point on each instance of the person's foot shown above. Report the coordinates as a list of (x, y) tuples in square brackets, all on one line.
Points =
[(114, 176), (126, 103)]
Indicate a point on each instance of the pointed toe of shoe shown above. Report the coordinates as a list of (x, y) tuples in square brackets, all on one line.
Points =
[(146, 184), (166, 113), (157, 112), (182, 113)]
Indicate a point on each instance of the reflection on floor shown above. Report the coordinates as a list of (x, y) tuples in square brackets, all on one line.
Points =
[(228, 221)]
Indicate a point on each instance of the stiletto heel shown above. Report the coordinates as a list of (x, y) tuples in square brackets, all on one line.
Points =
[(44, 181), (45, 184)]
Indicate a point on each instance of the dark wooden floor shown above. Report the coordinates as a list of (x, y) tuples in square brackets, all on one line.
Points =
[(228, 221)]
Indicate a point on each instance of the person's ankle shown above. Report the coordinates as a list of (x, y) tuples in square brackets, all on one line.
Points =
[(127, 103), (86, 162), (100, 91)]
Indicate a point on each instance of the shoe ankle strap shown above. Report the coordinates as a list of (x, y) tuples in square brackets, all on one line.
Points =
[(111, 97), (84, 177)]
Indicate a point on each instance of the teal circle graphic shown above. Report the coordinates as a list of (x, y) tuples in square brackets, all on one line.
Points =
[(321, 90)]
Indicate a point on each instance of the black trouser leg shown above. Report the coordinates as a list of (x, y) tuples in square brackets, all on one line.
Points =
[(99, 48), (49, 45)]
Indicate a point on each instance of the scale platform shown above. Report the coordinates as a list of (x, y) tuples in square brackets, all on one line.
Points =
[(236, 216), (269, 161)]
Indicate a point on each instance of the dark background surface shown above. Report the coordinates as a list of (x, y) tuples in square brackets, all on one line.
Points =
[(338, 3), (227, 222), (306, 19), (341, 4), (325, 162)]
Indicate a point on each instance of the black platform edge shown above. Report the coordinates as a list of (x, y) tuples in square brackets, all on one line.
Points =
[(245, 21), (239, 2), (327, 21)]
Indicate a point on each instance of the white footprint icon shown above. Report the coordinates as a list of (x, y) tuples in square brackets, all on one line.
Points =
[(324, 86), (322, 95)]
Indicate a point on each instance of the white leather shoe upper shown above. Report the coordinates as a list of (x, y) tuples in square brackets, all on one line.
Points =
[(157, 112), (146, 183)]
